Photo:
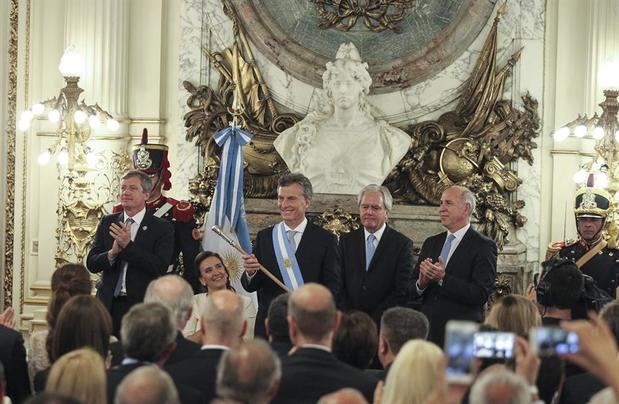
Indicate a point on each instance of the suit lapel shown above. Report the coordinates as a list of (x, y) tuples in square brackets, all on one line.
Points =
[(144, 225), (358, 240)]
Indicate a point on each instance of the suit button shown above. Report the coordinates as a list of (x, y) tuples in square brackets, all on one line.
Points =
[(364, 288)]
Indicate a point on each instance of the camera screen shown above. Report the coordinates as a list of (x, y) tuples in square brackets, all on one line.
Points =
[(494, 345), (459, 340), (550, 341)]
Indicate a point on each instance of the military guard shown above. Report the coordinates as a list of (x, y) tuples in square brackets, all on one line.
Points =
[(152, 159), (594, 251)]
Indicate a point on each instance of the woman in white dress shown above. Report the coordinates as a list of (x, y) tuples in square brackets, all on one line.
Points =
[(214, 276)]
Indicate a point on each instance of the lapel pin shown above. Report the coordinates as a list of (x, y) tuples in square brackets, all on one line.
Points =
[(144, 227)]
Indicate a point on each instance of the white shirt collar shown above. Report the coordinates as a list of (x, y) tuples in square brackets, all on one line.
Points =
[(378, 233), (300, 228), (137, 218), (459, 234), (316, 346), (215, 346)]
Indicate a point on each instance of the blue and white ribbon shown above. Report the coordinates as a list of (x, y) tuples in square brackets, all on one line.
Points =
[(228, 201), (286, 260)]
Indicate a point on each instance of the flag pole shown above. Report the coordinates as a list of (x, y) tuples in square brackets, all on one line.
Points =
[(217, 230)]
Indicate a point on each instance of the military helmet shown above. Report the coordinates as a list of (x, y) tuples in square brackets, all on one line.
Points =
[(152, 158), (592, 202)]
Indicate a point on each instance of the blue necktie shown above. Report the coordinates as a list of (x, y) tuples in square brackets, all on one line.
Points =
[(369, 250), (447, 248), (290, 234)]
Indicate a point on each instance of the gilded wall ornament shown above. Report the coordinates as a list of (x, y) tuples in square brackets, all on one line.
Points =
[(377, 15)]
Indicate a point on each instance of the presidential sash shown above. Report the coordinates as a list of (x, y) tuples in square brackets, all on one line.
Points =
[(286, 260)]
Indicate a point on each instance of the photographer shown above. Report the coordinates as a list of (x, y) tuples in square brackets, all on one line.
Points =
[(559, 290)]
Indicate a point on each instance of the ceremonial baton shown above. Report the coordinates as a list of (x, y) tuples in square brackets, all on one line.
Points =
[(217, 230)]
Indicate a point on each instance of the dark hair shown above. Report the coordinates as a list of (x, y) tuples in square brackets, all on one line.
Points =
[(550, 377), (82, 322), (297, 178), (356, 340), (67, 281), (561, 285), (401, 324), (207, 254), (145, 182), (277, 316), (146, 330)]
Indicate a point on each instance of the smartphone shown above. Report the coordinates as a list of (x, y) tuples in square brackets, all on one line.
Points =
[(494, 345), (459, 347), (546, 341)]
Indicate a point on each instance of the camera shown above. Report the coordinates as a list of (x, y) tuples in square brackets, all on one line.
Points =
[(547, 341)]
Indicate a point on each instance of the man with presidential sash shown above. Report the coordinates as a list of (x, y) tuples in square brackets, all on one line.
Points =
[(294, 250)]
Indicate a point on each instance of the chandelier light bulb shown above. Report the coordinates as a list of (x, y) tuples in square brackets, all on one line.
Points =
[(113, 125), (44, 158), (561, 134), (581, 176), (54, 115), (598, 133), (94, 121), (80, 117), (580, 131), (23, 125), (63, 157), (27, 115), (38, 109), (71, 63)]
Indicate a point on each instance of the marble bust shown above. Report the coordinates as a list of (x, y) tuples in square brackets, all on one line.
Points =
[(340, 146)]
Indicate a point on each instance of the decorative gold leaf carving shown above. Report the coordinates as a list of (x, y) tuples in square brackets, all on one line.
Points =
[(377, 15)]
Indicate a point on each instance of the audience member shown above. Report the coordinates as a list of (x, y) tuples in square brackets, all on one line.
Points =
[(559, 290), (398, 325), (82, 322), (79, 374), (309, 252), (147, 385), (214, 276), (456, 270), (177, 295), (377, 260), (514, 313), (249, 374), (312, 370), (343, 396), (223, 327), (3, 397), (500, 386), (355, 340), (413, 373), (13, 357), (67, 281), (276, 325), (581, 388), (148, 334)]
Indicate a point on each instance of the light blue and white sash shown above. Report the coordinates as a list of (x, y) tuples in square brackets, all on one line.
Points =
[(286, 260)]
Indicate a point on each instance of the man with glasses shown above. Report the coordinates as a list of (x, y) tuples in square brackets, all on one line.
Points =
[(376, 260)]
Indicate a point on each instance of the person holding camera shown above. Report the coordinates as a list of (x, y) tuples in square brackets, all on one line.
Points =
[(559, 290)]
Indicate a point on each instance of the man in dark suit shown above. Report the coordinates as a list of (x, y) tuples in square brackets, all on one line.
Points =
[(456, 270), (312, 371), (223, 327), (376, 260), (304, 252), (13, 357), (131, 248), (148, 337)]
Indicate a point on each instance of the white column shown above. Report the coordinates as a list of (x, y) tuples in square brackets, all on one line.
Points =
[(99, 29), (603, 48)]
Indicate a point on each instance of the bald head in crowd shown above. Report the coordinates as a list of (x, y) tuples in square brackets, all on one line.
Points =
[(147, 385), (249, 373), (343, 396), (173, 292), (222, 319), (312, 316)]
